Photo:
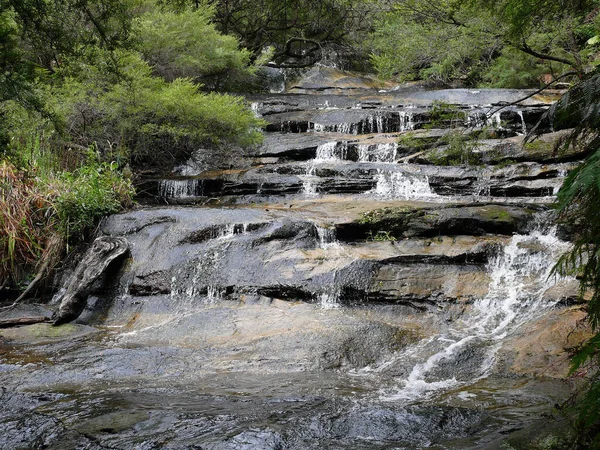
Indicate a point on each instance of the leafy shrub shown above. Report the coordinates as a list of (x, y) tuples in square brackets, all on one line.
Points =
[(186, 44), (82, 197), (158, 123), (44, 209), (459, 151)]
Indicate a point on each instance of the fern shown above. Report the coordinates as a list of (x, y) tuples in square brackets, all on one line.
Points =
[(578, 205)]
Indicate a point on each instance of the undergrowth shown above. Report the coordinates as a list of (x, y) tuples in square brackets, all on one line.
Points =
[(46, 207)]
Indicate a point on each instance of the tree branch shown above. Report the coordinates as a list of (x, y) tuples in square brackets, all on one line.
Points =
[(527, 49)]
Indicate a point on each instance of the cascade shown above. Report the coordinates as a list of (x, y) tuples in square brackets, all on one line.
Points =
[(482, 187), (383, 153), (214, 294), (255, 107), (244, 321), (331, 151), (399, 185), (406, 121), (180, 188), (329, 299), (327, 237), (523, 124), (519, 276), (495, 120), (343, 128)]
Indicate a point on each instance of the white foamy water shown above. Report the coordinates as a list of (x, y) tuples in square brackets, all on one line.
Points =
[(327, 237), (383, 153), (180, 188), (331, 151), (399, 185), (465, 353), (329, 300)]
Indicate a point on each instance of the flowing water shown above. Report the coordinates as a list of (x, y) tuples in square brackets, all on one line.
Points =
[(271, 316)]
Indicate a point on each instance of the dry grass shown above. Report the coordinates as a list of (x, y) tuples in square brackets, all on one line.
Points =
[(27, 226)]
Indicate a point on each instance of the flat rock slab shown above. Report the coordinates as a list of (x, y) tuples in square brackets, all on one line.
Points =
[(407, 222), (43, 333)]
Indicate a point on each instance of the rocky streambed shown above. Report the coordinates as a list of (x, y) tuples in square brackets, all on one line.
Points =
[(359, 281)]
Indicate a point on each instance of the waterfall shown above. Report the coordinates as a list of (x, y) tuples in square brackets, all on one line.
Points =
[(406, 121), (465, 352), (523, 124), (330, 299), (384, 153), (227, 232), (180, 188), (214, 294), (327, 237), (255, 107), (343, 128), (332, 151), (495, 120), (394, 185), (482, 185)]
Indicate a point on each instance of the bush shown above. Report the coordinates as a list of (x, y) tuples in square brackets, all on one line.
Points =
[(158, 123), (82, 197), (45, 209), (186, 44)]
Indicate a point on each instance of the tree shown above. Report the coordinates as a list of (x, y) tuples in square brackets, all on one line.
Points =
[(437, 40), (508, 43), (297, 31), (185, 43)]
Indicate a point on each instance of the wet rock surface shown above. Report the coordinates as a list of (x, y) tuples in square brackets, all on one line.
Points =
[(339, 288)]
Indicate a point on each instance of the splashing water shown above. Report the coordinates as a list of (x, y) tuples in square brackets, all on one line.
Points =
[(384, 153), (327, 237), (331, 151), (214, 294), (406, 121), (523, 124), (255, 108), (330, 300), (180, 188), (520, 275), (399, 185)]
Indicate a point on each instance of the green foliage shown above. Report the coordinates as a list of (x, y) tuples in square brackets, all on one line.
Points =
[(579, 211), (514, 69), (459, 150), (44, 208), (84, 196), (435, 40), (380, 236), (300, 31), (155, 121), (444, 115), (186, 44), (510, 43)]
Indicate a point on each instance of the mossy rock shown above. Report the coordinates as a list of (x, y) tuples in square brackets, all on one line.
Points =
[(409, 222)]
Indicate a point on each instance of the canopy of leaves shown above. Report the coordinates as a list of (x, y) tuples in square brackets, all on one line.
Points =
[(579, 211), (510, 43), (186, 44), (297, 30), (436, 40)]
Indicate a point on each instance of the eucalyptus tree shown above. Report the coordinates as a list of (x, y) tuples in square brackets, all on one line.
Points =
[(509, 43), (297, 31)]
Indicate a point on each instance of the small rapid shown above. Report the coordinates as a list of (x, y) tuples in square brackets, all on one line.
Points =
[(466, 351)]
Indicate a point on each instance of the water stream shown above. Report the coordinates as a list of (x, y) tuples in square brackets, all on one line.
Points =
[(519, 276), (327, 292)]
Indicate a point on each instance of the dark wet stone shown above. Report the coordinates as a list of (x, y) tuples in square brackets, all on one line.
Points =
[(435, 221), (96, 260)]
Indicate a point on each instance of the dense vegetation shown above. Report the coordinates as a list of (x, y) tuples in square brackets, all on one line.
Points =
[(498, 43)]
